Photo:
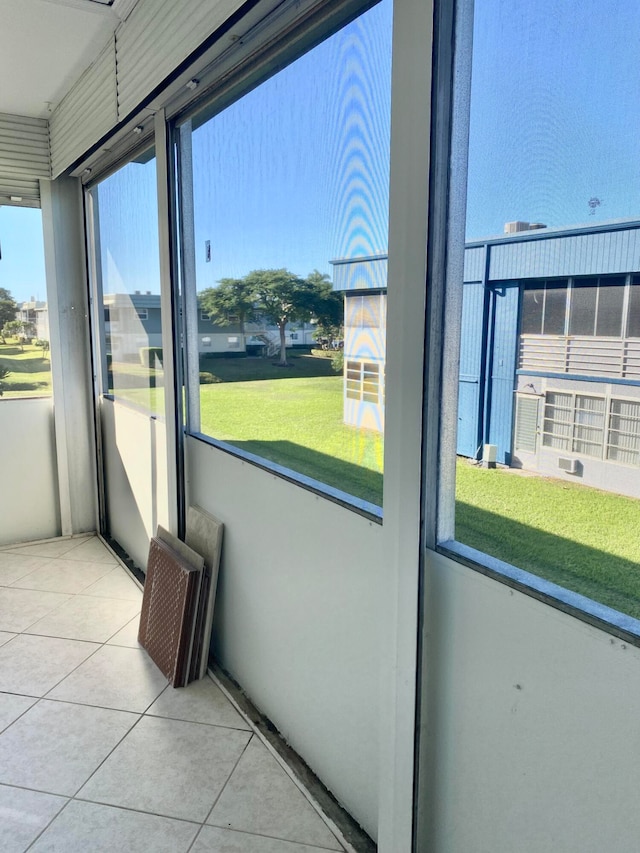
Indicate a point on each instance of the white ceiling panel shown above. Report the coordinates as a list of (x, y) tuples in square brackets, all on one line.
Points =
[(45, 45)]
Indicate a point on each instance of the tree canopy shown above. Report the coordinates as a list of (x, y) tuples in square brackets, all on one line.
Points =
[(276, 295), (8, 307), (233, 297)]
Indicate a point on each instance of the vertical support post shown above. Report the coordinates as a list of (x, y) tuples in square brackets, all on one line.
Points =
[(170, 325), (67, 301), (189, 289), (450, 94), (407, 272), (100, 377)]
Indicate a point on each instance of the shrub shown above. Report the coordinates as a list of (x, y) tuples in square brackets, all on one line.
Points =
[(337, 361), (207, 378), (4, 372)]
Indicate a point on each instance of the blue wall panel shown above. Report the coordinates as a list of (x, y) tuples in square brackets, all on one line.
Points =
[(577, 254), (471, 355), (474, 264), (360, 274), (500, 396)]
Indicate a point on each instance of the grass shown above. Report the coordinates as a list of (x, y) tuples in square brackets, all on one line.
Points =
[(29, 373), (293, 417), (581, 538)]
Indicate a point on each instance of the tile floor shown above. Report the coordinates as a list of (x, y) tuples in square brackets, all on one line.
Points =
[(97, 753)]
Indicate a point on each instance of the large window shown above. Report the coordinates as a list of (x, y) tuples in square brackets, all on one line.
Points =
[(544, 308), (624, 432), (129, 283), (574, 422), (288, 234), (25, 366), (596, 307), (546, 457)]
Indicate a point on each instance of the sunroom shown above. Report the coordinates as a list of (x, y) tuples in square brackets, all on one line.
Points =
[(377, 679)]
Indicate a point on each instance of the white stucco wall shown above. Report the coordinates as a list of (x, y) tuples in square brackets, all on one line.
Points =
[(29, 504), (298, 615), (533, 723)]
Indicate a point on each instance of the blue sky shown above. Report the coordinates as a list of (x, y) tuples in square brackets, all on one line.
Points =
[(555, 116), (296, 172), (21, 242)]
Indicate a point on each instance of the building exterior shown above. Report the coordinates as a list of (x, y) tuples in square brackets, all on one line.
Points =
[(549, 354), (364, 284), (34, 313), (133, 323)]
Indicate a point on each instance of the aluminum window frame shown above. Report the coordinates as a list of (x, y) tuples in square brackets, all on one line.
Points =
[(281, 52), (450, 117)]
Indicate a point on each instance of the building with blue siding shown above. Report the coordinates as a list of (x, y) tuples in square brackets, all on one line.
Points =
[(550, 350)]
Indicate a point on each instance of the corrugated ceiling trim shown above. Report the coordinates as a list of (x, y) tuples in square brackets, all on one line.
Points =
[(158, 36), (24, 156), (87, 112)]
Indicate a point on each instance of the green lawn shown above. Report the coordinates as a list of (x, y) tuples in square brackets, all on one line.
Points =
[(293, 418), (581, 538), (30, 372)]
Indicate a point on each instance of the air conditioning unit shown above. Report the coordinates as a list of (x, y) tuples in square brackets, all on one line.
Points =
[(568, 465)]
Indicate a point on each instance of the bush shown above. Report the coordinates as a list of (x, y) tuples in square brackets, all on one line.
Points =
[(149, 356), (208, 378), (4, 372), (337, 361)]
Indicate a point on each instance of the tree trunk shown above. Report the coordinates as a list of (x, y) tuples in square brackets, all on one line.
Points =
[(283, 347)]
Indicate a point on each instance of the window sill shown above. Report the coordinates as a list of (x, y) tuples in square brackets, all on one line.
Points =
[(600, 616), (362, 507)]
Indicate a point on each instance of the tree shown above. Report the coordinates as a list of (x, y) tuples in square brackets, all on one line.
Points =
[(8, 308), (233, 297), (19, 329), (328, 310), (281, 298)]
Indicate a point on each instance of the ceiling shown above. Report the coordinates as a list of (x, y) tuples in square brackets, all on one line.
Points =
[(45, 45)]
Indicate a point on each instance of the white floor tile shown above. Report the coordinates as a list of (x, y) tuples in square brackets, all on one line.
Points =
[(16, 566), (69, 617), (92, 550), (84, 617), (214, 840), (34, 665), (54, 548), (260, 798), (114, 677), (201, 702), (20, 608), (84, 827), (115, 584), (55, 746), (168, 767), (24, 814), (127, 636), (63, 575), (11, 707)]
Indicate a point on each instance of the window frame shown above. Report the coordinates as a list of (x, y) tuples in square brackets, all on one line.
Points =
[(282, 52), (445, 252), (610, 429), (572, 438)]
